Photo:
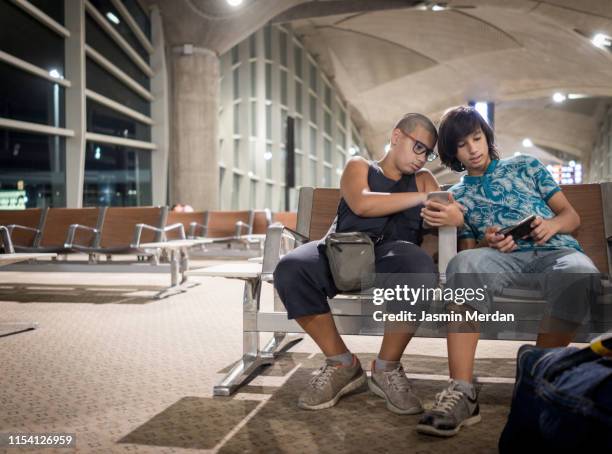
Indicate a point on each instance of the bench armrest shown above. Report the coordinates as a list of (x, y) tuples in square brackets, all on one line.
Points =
[(242, 228), (139, 228), (5, 235), (178, 226), (36, 232), (195, 228), (72, 231)]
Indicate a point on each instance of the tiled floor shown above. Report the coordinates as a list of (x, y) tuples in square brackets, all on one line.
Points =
[(125, 372)]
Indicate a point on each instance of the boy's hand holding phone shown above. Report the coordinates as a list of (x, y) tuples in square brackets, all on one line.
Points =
[(442, 209), (498, 241), (543, 229)]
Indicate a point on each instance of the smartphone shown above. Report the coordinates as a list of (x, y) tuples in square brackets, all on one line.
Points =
[(519, 230), (440, 196)]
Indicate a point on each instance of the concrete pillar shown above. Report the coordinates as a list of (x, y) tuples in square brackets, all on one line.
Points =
[(194, 170)]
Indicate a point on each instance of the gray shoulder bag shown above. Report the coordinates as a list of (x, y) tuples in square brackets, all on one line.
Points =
[(351, 258)]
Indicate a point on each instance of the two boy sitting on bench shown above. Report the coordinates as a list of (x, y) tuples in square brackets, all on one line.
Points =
[(494, 193)]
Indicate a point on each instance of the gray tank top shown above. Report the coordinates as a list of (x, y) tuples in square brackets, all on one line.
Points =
[(405, 225)]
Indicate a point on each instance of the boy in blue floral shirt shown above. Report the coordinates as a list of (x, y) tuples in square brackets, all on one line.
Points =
[(496, 194)]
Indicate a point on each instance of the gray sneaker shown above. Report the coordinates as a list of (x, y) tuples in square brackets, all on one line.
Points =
[(331, 383), (394, 387), (452, 410)]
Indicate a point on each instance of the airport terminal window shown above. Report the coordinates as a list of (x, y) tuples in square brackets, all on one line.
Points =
[(313, 141), (283, 125), (253, 79), (102, 120), (298, 133), (283, 164), (298, 56), (269, 189), (253, 194), (327, 175), (26, 97), (283, 87), (236, 183), (236, 83), (327, 150), (105, 84), (268, 42), (313, 172), (34, 163), (268, 159), (237, 153), (253, 46), (268, 122), (99, 40), (313, 108), (116, 176), (235, 54), (327, 123), (237, 118), (254, 118), (253, 156), (268, 81), (298, 96), (298, 169), (26, 38), (283, 49), (313, 76), (52, 8), (139, 15), (114, 18)]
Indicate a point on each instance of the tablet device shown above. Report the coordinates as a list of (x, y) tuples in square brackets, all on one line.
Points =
[(519, 230)]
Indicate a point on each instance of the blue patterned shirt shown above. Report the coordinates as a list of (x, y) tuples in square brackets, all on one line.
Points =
[(510, 190)]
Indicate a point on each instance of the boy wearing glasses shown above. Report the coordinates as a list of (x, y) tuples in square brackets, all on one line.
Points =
[(372, 191)]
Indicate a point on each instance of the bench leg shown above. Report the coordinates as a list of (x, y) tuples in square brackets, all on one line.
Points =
[(251, 358), (179, 265)]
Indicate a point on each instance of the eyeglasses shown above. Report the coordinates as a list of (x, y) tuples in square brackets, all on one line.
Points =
[(420, 148)]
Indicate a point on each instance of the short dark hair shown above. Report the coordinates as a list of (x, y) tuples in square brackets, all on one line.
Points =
[(457, 123), (410, 121)]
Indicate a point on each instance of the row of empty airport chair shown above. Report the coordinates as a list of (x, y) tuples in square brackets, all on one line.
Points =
[(122, 230)]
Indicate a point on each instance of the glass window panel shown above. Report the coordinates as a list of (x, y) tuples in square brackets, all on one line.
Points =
[(281, 200), (253, 45), (237, 153), (268, 81), (253, 195), (298, 133), (298, 96), (328, 123), (26, 97), (283, 88), (102, 120), (313, 76), (342, 120), (104, 83), (298, 169), (268, 42), (116, 176), (37, 162), (254, 118), (268, 122), (327, 150), (24, 37), (313, 108), (236, 184), (327, 176), (283, 125), (253, 156), (269, 189), (52, 8), (328, 96), (342, 136), (253, 79), (221, 181), (313, 173), (235, 54), (236, 83), (283, 164), (298, 56), (117, 21), (237, 118), (139, 15), (99, 40), (313, 141), (283, 49), (268, 158)]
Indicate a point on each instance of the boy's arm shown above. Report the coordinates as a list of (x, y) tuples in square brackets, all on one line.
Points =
[(365, 203), (566, 219)]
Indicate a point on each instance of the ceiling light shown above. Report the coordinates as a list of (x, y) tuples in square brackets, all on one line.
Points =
[(234, 2), (600, 40), (438, 8), (572, 163), (55, 74), (267, 155), (527, 143), (576, 96), (559, 97), (111, 17)]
